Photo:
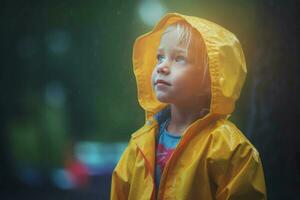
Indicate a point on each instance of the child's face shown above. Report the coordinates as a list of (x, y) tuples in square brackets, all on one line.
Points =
[(175, 78)]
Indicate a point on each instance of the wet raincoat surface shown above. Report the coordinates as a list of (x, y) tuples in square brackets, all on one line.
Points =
[(213, 160)]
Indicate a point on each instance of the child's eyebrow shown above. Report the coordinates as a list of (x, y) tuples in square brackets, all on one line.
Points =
[(177, 50), (180, 50)]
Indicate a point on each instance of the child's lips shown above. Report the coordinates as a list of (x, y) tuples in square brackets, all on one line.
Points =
[(162, 82)]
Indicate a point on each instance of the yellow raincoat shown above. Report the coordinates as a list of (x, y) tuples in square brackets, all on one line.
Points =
[(213, 160)]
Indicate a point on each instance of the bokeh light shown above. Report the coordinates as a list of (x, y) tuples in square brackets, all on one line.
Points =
[(150, 11)]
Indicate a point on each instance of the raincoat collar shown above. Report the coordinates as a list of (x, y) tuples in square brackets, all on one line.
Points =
[(145, 138)]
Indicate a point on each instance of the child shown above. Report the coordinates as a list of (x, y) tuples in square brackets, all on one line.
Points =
[(189, 74)]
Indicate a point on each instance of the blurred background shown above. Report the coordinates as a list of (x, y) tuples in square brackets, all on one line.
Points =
[(68, 96)]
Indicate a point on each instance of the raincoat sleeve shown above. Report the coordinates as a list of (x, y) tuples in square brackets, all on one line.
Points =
[(235, 168), (122, 174)]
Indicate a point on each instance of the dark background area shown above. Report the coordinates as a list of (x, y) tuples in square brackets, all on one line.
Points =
[(66, 78)]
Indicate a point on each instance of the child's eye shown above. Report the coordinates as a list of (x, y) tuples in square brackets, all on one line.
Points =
[(180, 59), (160, 58)]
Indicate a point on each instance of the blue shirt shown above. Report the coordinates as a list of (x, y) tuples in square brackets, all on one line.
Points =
[(166, 144)]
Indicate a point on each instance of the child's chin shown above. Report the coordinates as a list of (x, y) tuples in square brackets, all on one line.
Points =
[(163, 98)]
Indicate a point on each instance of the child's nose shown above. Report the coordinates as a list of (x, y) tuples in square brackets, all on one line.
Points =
[(163, 69)]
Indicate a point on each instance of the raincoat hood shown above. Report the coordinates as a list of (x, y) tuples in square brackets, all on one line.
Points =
[(227, 65)]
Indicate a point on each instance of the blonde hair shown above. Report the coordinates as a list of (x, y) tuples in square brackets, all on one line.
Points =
[(196, 49)]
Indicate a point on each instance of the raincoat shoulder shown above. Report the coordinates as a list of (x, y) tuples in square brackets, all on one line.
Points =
[(234, 164), (122, 175)]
